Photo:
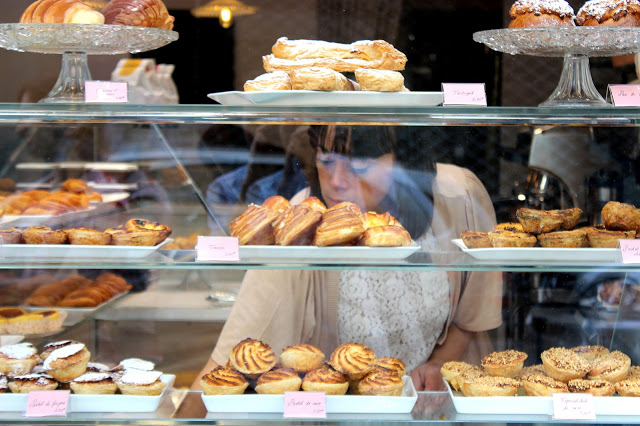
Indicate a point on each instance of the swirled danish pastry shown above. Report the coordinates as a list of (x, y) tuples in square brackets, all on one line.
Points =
[(338, 227), (254, 226), (353, 360), (315, 204), (296, 226), (252, 358), (223, 381)]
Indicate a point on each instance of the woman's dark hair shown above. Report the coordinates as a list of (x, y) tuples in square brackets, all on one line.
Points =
[(354, 141)]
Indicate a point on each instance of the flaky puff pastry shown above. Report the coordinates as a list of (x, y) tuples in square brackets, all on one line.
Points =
[(277, 203), (373, 219), (594, 387), (563, 364), (33, 382), (610, 13), (385, 236), (612, 367), (43, 235), (277, 80), (301, 358), (68, 362), (373, 80), (278, 381), (353, 360), (512, 239), (475, 239), (566, 239), (319, 79), (296, 226), (381, 383), (327, 380), (492, 386), (87, 236), (605, 238), (337, 227), (539, 221), (223, 381), (541, 385), (621, 217), (252, 358), (504, 363), (254, 226), (314, 203), (452, 372)]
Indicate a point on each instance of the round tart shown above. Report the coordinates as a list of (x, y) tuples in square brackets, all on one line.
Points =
[(541, 13), (43, 235), (621, 216), (353, 360), (86, 236), (612, 367), (569, 239), (392, 364), (452, 372), (473, 239), (136, 364), (590, 352), (11, 236), (18, 359), (504, 363), (628, 387), (94, 383), (563, 364), (33, 382), (252, 358), (594, 387), (36, 322), (327, 380), (381, 383), (610, 13), (468, 377), (508, 226), (301, 358), (539, 221), (512, 239), (96, 367), (570, 217), (50, 347), (68, 362), (540, 385), (136, 382), (606, 238), (634, 372), (7, 314), (278, 381), (532, 370), (223, 381), (492, 386)]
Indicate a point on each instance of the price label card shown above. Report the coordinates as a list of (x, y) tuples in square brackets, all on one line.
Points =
[(308, 405), (630, 250), (625, 95), (105, 92), (47, 403), (577, 406), (217, 249), (464, 94)]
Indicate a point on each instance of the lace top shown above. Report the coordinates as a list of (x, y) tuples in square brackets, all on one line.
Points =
[(395, 313)]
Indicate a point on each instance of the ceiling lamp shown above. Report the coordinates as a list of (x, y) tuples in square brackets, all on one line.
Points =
[(224, 10)]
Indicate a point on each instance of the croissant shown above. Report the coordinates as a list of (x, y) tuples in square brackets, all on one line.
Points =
[(138, 13), (61, 11)]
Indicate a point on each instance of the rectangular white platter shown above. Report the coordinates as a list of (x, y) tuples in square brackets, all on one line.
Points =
[(336, 99), (329, 254), (582, 254), (116, 403), (603, 405), (254, 403), (76, 252)]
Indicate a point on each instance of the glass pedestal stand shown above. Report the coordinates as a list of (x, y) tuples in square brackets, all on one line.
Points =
[(575, 87), (69, 88)]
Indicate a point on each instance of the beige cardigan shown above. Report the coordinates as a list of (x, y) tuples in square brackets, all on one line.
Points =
[(286, 307)]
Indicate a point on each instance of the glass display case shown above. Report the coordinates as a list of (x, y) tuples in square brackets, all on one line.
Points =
[(195, 168)]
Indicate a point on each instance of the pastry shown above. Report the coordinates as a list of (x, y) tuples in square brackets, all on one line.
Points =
[(254, 226), (469, 376), (628, 387), (223, 381), (140, 236), (634, 372), (276, 202), (374, 80), (605, 238), (18, 359), (327, 380), (252, 358), (135, 364), (97, 367), (86, 236), (569, 239), (43, 235), (373, 219), (595, 387), (504, 363), (531, 370), (611, 13), (278, 381), (473, 239), (508, 226), (452, 372), (539, 385), (314, 203), (621, 217), (138, 13), (301, 358), (539, 221), (512, 239), (564, 364), (612, 367), (277, 80), (137, 382), (33, 382), (590, 352), (61, 12), (50, 347), (67, 362), (381, 383), (541, 13), (36, 322), (94, 383), (570, 217), (338, 227), (353, 360), (319, 79), (296, 226), (8, 313), (4, 383), (385, 236), (492, 386), (11, 236), (392, 364)]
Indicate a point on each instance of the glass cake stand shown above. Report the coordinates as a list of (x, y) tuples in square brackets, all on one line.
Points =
[(576, 45), (75, 42)]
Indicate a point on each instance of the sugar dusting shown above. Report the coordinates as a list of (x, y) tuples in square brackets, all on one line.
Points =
[(62, 352), (561, 7), (18, 351), (138, 377), (92, 377), (598, 8), (3, 381), (137, 364)]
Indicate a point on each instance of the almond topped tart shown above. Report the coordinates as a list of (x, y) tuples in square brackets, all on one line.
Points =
[(534, 370), (628, 387), (452, 372), (564, 364), (613, 367), (539, 385), (590, 352), (492, 386), (468, 377), (504, 363), (595, 387), (634, 372)]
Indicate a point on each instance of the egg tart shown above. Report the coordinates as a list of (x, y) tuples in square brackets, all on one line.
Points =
[(539, 221), (564, 239), (474, 239)]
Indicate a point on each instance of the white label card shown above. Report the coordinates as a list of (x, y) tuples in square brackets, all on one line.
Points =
[(464, 94), (573, 406)]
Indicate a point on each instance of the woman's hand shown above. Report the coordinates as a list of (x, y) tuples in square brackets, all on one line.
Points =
[(427, 377)]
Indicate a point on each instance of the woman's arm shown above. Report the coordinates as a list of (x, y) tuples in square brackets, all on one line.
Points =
[(427, 376), (210, 365)]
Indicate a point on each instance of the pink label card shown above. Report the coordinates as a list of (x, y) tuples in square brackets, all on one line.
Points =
[(630, 250), (105, 91), (624, 95), (47, 403), (577, 406), (308, 405), (464, 94), (217, 249)]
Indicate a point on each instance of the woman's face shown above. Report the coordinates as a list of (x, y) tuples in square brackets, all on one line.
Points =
[(363, 181)]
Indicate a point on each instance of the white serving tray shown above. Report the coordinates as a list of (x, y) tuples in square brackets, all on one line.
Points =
[(337, 99), (582, 254), (76, 252), (254, 403), (116, 403), (603, 405), (329, 254)]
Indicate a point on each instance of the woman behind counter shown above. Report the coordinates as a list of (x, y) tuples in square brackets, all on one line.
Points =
[(423, 318)]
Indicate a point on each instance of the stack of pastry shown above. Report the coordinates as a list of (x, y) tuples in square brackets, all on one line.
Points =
[(276, 221), (581, 369), (319, 65), (351, 366)]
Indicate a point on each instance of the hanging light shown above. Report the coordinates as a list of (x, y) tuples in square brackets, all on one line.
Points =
[(224, 10)]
